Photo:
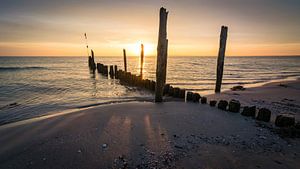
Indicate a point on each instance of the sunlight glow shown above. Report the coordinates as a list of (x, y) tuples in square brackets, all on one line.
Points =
[(135, 49)]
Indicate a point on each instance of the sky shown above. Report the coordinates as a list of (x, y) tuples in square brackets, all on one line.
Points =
[(57, 27)]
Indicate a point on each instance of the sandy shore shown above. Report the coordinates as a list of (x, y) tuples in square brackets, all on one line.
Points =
[(148, 135), (279, 97)]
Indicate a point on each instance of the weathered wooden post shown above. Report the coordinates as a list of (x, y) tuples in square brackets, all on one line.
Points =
[(142, 61), (116, 72), (162, 49), (111, 71), (92, 64), (125, 60), (221, 56)]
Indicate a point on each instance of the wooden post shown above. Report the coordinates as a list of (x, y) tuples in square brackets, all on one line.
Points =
[(162, 48), (142, 61), (125, 60), (221, 56), (116, 71), (111, 71), (92, 61)]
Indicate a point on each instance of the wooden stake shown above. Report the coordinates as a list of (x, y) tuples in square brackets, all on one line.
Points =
[(125, 60), (92, 64), (162, 52), (220, 66), (142, 61)]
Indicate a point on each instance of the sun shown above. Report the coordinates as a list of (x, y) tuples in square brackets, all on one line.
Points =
[(135, 49)]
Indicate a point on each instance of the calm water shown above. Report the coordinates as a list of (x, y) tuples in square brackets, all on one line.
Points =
[(34, 86)]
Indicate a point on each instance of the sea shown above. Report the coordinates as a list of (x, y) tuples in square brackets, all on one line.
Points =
[(36, 86)]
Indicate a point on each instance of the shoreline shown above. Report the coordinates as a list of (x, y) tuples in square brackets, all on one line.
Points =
[(226, 94), (281, 97), (146, 135)]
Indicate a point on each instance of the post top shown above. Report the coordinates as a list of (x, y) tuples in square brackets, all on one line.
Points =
[(162, 9)]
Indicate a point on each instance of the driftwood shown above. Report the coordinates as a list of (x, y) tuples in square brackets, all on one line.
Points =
[(221, 56), (162, 49)]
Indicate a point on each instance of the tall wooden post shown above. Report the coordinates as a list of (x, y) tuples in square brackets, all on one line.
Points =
[(162, 52), (221, 56), (125, 60), (92, 64), (142, 61)]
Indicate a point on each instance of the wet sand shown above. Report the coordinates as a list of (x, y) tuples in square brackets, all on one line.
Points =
[(279, 97), (147, 135)]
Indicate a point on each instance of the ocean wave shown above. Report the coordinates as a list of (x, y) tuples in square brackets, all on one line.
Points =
[(21, 68)]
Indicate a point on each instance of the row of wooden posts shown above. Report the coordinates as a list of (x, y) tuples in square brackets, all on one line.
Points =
[(160, 86)]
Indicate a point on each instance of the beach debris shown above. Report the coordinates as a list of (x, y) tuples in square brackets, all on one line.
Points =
[(121, 162), (212, 103), (104, 146), (283, 85), (264, 115), (178, 146), (222, 104), (203, 100), (249, 111), (189, 96), (196, 97), (234, 106), (284, 121), (238, 88)]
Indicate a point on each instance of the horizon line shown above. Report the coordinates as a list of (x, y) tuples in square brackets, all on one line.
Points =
[(155, 56)]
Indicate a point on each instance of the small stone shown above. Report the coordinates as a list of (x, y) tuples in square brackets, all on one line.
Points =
[(284, 121), (236, 88), (222, 104), (104, 146), (264, 115), (234, 106), (263, 137), (203, 100), (212, 103), (179, 147), (249, 111)]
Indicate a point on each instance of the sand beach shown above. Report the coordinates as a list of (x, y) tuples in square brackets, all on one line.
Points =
[(147, 135)]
